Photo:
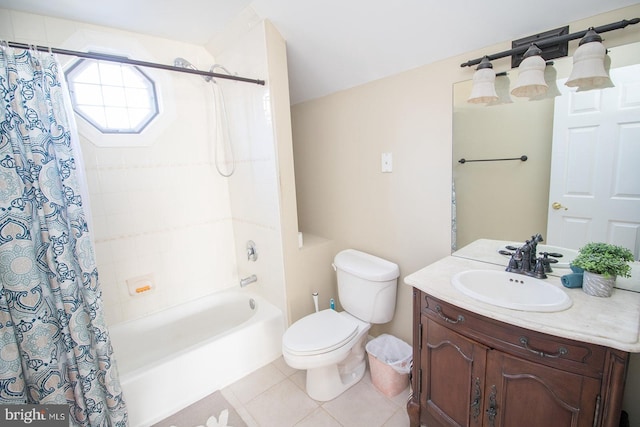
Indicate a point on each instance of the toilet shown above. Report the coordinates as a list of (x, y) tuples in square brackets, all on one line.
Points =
[(330, 345)]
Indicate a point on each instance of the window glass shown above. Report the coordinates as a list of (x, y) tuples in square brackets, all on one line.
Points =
[(113, 97)]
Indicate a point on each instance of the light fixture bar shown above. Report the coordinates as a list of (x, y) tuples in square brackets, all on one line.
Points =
[(554, 40)]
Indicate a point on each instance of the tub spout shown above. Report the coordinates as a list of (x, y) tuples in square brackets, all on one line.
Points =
[(247, 280)]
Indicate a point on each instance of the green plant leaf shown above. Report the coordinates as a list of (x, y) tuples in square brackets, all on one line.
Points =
[(605, 259)]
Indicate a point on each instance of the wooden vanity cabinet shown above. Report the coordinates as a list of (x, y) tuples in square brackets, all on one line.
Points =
[(470, 370)]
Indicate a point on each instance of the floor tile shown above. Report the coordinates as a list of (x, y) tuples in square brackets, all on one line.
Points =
[(300, 379), (283, 405), (257, 382), (319, 418), (283, 367), (275, 396), (240, 408), (399, 419), (361, 406)]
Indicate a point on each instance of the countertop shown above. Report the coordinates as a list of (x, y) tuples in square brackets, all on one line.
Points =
[(612, 322)]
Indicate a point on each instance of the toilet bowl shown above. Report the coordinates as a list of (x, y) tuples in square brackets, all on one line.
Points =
[(330, 345)]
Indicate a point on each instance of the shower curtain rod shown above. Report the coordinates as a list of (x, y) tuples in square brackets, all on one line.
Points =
[(125, 60)]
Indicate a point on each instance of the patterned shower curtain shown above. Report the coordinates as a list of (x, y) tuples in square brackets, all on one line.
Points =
[(54, 344)]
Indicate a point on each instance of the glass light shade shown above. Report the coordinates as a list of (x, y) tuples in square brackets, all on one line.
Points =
[(483, 90), (503, 84), (550, 77), (531, 81), (589, 70)]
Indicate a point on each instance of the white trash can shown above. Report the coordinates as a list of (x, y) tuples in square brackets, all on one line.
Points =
[(390, 363)]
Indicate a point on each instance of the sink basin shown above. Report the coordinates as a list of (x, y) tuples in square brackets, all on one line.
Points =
[(511, 290)]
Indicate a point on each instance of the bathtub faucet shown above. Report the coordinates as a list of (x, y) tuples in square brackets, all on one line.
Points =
[(247, 280)]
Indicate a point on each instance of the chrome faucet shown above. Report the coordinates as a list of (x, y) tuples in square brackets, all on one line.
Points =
[(248, 280), (252, 251), (525, 261)]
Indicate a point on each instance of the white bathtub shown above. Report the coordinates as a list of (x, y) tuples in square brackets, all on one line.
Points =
[(175, 357)]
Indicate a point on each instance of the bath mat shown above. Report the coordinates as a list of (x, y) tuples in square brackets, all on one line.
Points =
[(212, 411)]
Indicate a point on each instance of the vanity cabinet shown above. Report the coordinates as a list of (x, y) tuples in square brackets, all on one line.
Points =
[(470, 370)]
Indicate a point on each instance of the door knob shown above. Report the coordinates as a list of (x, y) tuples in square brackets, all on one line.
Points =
[(556, 206)]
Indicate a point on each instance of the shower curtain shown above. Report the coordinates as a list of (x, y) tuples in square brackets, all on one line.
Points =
[(54, 344)]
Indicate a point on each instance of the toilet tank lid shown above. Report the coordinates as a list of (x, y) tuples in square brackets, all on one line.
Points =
[(366, 266)]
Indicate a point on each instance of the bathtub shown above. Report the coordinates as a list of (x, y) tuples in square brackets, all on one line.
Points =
[(175, 357)]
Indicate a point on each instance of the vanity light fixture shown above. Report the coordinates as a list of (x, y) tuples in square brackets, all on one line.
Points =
[(589, 64), (483, 90), (530, 81), (589, 70)]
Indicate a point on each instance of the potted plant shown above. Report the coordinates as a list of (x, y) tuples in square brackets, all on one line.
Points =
[(602, 263)]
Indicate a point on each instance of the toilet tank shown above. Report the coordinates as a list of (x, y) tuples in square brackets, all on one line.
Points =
[(366, 285)]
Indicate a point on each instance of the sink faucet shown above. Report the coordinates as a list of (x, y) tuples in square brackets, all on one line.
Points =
[(525, 261)]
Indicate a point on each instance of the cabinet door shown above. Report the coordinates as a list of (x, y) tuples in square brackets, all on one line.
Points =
[(526, 394), (452, 377)]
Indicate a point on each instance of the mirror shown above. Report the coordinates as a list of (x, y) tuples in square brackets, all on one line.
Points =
[(508, 200)]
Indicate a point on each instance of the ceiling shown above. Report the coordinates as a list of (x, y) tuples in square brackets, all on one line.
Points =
[(337, 44)]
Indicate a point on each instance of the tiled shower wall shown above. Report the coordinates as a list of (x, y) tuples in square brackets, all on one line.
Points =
[(160, 210)]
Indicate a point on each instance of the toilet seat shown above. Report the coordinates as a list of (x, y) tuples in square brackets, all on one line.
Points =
[(319, 333)]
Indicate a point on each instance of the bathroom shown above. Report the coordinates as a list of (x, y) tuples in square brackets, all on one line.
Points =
[(325, 196)]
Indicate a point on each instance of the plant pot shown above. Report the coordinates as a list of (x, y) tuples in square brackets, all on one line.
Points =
[(598, 285)]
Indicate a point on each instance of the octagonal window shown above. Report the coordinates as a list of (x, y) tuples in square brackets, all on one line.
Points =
[(113, 97)]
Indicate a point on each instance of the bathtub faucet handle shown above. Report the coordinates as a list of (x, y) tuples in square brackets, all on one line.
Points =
[(252, 252)]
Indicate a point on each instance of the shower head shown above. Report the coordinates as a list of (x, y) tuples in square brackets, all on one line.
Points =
[(183, 63)]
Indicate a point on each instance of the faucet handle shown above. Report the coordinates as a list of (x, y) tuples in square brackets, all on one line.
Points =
[(552, 254), (252, 252), (539, 269), (548, 261), (515, 261)]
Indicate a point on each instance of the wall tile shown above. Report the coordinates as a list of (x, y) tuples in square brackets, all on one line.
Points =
[(6, 26), (58, 30), (29, 28)]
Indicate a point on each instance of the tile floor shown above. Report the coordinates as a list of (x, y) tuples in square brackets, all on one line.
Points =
[(274, 396)]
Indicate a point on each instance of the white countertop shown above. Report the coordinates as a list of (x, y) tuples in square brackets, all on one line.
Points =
[(612, 322)]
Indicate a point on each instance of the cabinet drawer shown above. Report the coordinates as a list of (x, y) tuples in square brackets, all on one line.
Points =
[(573, 356)]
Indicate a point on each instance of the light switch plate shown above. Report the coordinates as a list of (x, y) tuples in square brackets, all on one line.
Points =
[(387, 162)]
